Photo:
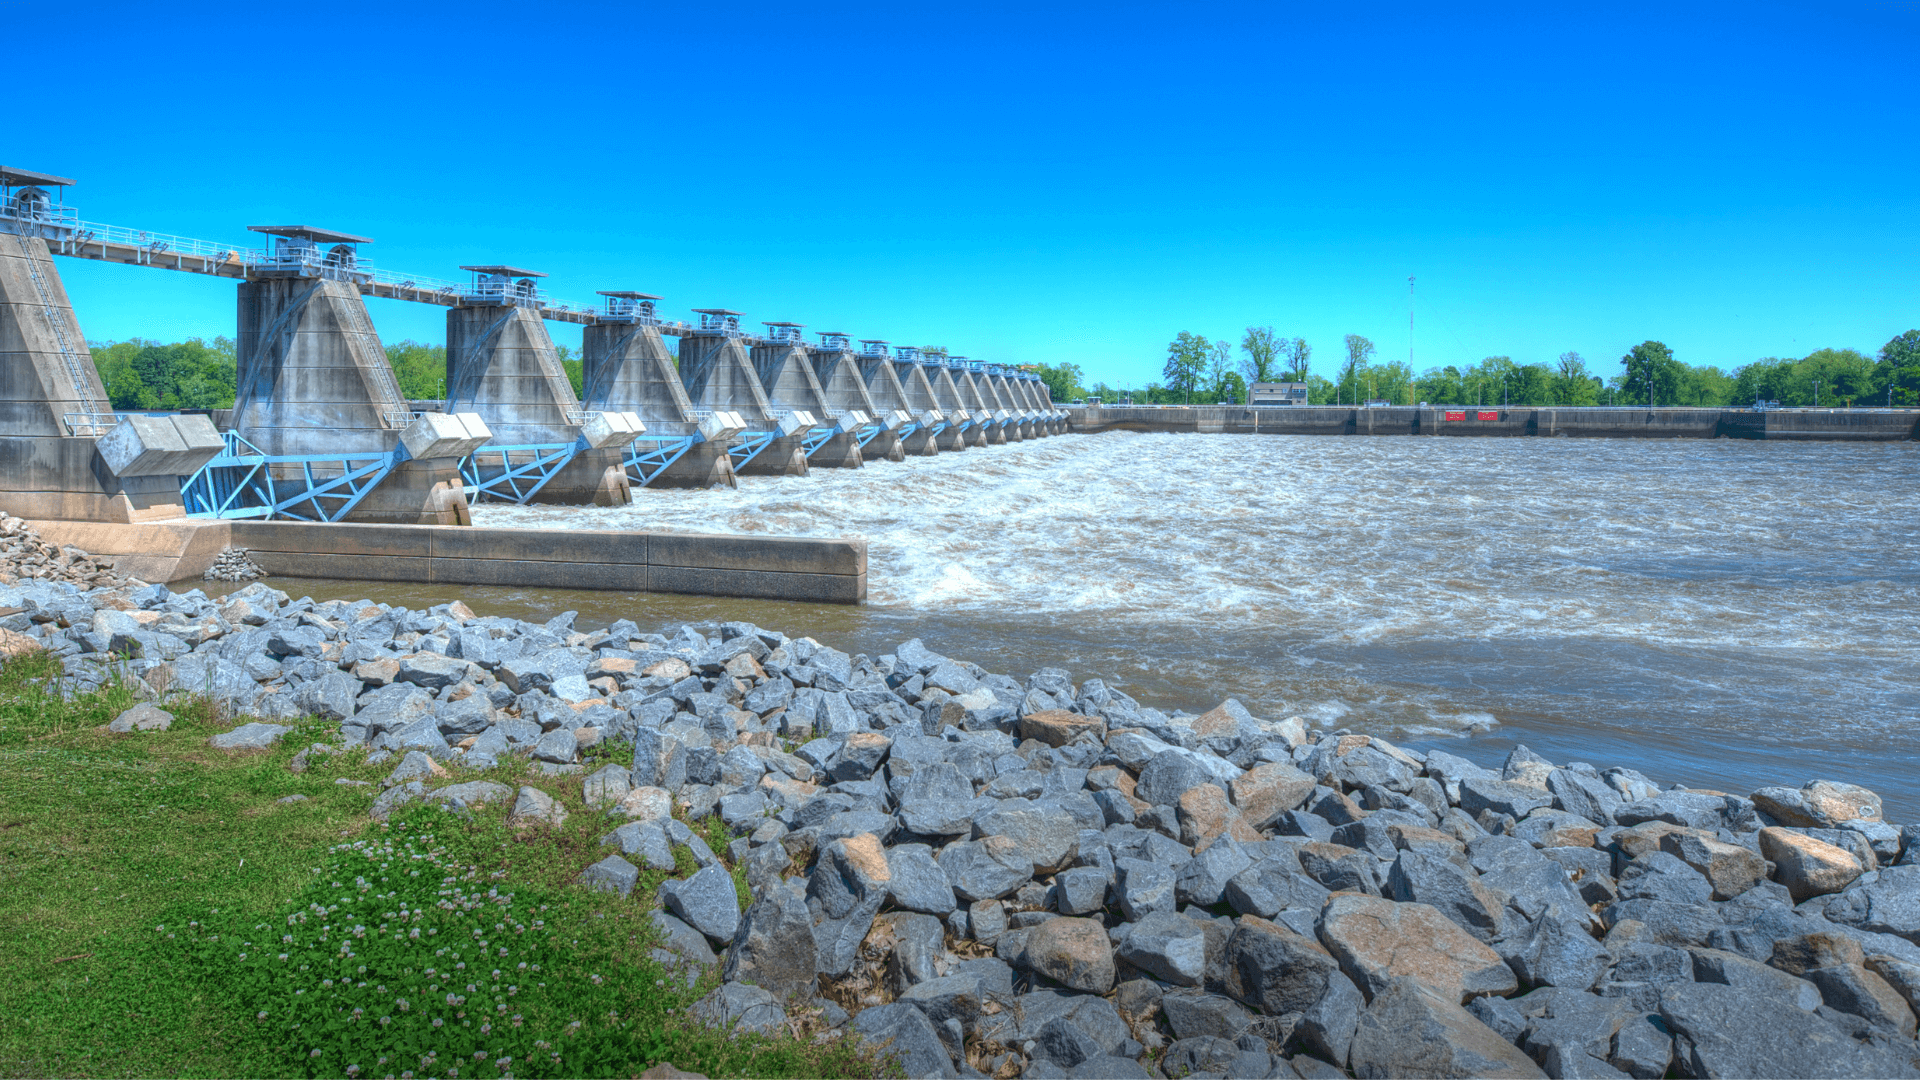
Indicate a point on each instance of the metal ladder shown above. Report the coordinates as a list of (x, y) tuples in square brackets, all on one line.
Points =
[(88, 426), (393, 405)]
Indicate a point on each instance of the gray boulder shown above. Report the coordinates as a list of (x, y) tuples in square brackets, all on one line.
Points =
[(1168, 946), (1411, 1029), (707, 901), (739, 1007), (986, 869), (1169, 775), (254, 736), (611, 874), (903, 1030), (1725, 1031), (774, 946), (145, 716), (917, 882)]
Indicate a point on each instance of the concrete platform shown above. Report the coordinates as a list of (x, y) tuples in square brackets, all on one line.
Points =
[(758, 567)]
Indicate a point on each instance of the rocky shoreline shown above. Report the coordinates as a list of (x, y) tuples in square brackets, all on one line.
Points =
[(1031, 877)]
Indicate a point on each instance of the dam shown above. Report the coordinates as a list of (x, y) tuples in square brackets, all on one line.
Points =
[(320, 435)]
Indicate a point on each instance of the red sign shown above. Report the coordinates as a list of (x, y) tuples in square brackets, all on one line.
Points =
[(1456, 415), (1485, 415)]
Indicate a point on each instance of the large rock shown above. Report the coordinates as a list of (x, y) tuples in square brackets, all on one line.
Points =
[(1808, 867), (1502, 797), (1045, 837), (1169, 775), (1726, 1031), (1851, 988), (1265, 792), (1413, 1029), (739, 1007), (1280, 972), (254, 736), (707, 901), (1821, 804), (1377, 941), (1072, 952), (1168, 946), (1204, 813), (1889, 905), (849, 884), (1729, 868), (903, 1030), (611, 874), (145, 716), (1057, 727), (987, 869), (774, 946), (1454, 892), (535, 807), (917, 882)]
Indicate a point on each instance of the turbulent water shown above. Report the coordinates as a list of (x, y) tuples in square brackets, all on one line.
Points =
[(1718, 613)]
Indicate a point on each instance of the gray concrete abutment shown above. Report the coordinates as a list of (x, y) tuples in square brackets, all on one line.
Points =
[(1845, 425)]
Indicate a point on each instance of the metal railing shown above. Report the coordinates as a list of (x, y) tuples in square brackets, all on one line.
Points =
[(36, 210)]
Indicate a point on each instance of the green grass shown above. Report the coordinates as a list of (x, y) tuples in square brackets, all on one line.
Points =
[(149, 885)]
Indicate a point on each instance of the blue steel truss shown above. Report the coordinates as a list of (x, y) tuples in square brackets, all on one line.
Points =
[(816, 438), (866, 434), (649, 456), (510, 480), (747, 446), (241, 482)]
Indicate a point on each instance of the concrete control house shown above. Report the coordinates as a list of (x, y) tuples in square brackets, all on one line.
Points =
[(1277, 393)]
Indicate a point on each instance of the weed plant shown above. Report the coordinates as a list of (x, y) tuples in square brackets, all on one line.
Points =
[(163, 913)]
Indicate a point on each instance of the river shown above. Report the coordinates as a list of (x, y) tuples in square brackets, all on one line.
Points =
[(1724, 614)]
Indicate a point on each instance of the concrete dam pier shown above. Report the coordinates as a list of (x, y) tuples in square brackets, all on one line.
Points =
[(1613, 422), (321, 433)]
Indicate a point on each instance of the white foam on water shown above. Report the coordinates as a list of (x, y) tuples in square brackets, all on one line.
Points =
[(1661, 557)]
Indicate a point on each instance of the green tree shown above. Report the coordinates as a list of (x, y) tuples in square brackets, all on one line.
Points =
[(1573, 384), (575, 368), (1262, 347), (1062, 380), (1651, 373), (1297, 356), (421, 369), (1898, 372), (1359, 351), (1187, 357)]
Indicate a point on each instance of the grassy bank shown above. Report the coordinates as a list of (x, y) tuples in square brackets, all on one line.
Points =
[(162, 913)]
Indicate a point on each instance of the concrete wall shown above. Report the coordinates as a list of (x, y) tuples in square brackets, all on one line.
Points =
[(37, 383), (502, 365), (1593, 423), (314, 379), (64, 477), (628, 368), (774, 568)]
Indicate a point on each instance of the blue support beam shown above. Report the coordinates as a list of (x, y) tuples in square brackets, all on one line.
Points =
[(242, 483), (649, 456), (492, 473), (817, 438), (747, 446), (867, 434)]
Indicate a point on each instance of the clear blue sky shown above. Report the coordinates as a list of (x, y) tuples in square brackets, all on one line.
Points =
[(1030, 183)]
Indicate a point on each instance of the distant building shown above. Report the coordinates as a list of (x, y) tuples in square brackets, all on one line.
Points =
[(1277, 393)]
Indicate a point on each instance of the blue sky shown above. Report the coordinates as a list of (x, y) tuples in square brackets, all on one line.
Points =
[(1031, 183)]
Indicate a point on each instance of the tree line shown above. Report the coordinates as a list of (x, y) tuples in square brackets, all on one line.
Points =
[(199, 374), (1201, 370)]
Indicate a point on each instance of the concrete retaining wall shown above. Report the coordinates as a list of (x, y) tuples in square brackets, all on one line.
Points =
[(769, 568), (1856, 425)]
